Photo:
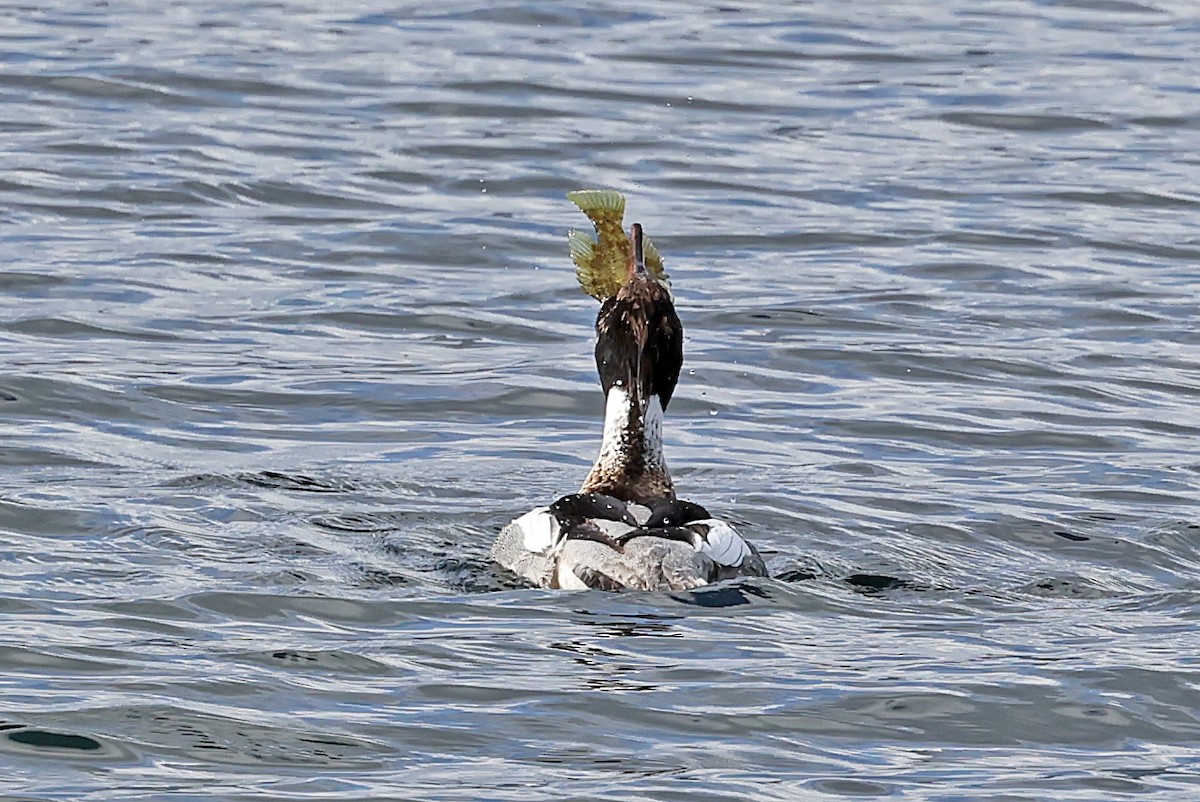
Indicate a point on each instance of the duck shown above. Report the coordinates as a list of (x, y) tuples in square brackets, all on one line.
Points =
[(626, 529)]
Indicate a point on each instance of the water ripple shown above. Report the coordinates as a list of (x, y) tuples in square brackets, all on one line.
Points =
[(289, 332)]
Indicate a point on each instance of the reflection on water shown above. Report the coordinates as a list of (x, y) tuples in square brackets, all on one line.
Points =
[(289, 331)]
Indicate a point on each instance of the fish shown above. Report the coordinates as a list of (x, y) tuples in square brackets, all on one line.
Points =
[(603, 264)]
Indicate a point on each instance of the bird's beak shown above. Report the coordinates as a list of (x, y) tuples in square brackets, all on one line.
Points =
[(639, 252)]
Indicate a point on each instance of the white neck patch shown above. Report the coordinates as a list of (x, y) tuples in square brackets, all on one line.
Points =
[(621, 430), (617, 437), (652, 441)]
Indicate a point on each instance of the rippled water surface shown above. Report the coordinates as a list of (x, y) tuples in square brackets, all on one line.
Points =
[(288, 331)]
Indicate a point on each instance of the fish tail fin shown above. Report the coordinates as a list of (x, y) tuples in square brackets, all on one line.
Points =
[(599, 204), (602, 265), (654, 261), (583, 249), (583, 254)]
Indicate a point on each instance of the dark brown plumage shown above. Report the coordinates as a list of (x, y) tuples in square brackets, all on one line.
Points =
[(639, 342)]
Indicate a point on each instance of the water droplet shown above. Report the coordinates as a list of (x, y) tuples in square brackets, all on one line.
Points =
[(712, 412)]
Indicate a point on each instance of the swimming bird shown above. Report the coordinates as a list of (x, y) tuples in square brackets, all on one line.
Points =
[(625, 528)]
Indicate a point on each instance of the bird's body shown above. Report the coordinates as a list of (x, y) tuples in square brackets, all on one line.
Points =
[(600, 551), (626, 528)]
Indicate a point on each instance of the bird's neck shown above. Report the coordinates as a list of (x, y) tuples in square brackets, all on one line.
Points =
[(631, 465)]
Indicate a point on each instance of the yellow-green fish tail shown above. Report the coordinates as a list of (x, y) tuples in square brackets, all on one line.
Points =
[(654, 261), (602, 267)]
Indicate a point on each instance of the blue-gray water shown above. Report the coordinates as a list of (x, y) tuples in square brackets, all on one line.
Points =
[(288, 331)]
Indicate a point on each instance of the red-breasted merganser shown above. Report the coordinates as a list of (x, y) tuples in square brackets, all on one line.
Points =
[(625, 528)]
